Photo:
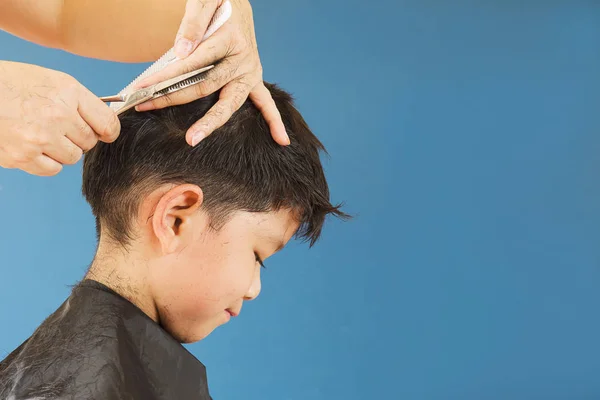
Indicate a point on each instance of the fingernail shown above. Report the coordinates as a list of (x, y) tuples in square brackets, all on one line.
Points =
[(286, 138), (183, 47), (143, 107), (197, 137)]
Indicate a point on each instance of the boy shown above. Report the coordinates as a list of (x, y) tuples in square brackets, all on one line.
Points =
[(182, 235)]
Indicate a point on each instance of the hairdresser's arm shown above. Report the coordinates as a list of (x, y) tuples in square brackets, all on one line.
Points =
[(142, 30), (116, 30)]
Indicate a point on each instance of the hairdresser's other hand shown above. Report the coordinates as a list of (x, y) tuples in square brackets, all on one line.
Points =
[(239, 74), (48, 119)]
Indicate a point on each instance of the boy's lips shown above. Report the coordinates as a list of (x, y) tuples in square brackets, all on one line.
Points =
[(232, 312)]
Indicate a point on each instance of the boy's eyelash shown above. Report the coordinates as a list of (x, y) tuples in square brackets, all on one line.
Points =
[(258, 260)]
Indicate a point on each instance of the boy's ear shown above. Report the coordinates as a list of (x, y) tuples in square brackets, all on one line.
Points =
[(173, 220)]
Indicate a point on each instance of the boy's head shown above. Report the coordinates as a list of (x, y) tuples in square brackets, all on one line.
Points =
[(195, 224)]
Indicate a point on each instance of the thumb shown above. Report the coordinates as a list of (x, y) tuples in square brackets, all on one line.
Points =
[(198, 14)]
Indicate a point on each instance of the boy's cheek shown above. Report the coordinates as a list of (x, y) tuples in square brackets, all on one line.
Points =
[(190, 321), (199, 307)]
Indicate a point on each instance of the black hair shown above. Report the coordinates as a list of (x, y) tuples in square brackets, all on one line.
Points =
[(238, 167)]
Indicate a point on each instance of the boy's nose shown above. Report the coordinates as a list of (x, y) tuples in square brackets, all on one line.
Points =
[(254, 289)]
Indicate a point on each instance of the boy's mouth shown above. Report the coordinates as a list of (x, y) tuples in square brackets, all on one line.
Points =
[(232, 313)]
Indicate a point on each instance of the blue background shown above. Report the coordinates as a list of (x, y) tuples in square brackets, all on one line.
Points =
[(466, 139)]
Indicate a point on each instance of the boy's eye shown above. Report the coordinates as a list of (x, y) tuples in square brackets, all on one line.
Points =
[(258, 260)]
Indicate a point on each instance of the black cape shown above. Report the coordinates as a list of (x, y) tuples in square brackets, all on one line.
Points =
[(98, 345)]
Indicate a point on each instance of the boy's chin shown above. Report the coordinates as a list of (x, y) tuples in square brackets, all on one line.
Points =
[(191, 335)]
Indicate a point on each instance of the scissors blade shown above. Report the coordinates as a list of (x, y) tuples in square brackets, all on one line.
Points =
[(180, 78), (160, 89)]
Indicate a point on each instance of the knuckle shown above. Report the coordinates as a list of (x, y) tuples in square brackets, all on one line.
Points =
[(229, 41), (75, 155), (87, 133), (52, 112), (69, 83), (226, 113), (218, 116), (51, 170), (219, 112), (111, 128), (244, 86), (207, 124), (165, 101), (28, 136), (41, 139), (238, 98), (190, 29), (230, 73), (36, 138), (201, 89), (20, 157), (7, 162), (233, 107), (90, 143), (201, 3), (223, 65), (238, 101), (241, 93), (84, 129)]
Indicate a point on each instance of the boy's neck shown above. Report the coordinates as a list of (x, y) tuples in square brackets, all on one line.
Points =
[(125, 274)]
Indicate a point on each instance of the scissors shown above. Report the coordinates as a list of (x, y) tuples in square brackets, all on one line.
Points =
[(160, 89)]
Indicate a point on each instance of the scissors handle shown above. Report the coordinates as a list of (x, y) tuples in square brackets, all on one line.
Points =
[(130, 100), (109, 99)]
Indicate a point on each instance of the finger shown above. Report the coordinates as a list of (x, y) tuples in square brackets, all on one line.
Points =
[(42, 165), (231, 98), (209, 52), (82, 134), (198, 14), (263, 100), (63, 151), (214, 80), (103, 121)]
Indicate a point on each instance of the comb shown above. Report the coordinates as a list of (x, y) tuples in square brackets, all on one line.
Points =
[(222, 14)]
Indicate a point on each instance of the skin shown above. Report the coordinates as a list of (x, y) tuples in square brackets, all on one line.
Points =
[(238, 75), (48, 120), (126, 31), (184, 274)]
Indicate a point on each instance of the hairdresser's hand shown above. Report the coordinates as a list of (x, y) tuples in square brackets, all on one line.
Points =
[(239, 74), (48, 119)]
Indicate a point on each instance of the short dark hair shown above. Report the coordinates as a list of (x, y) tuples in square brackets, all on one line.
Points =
[(238, 167)]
